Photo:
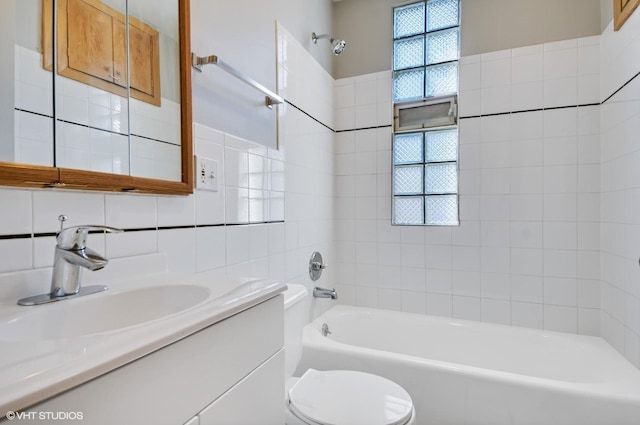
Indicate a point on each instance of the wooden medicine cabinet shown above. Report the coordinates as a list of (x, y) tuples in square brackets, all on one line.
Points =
[(36, 141), (92, 49)]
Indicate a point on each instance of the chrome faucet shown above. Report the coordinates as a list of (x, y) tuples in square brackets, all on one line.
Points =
[(71, 253), (319, 292)]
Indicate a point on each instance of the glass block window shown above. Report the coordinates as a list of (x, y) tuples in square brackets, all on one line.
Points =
[(425, 177), (426, 40)]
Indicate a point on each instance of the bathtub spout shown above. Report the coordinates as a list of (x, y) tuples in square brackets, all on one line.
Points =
[(319, 292)]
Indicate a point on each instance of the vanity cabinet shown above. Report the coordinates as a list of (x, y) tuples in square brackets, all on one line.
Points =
[(230, 372), (248, 402), (92, 49)]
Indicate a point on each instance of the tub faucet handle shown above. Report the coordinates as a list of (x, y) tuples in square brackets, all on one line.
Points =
[(316, 265)]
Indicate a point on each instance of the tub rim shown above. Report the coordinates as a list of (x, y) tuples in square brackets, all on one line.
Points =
[(627, 391)]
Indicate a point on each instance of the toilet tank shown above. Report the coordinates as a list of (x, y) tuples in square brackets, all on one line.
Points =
[(294, 298)]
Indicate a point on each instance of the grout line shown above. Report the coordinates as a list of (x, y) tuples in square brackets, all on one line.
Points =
[(92, 127), (364, 128), (95, 128), (26, 111), (288, 102), (551, 108), (17, 236), (142, 229), (331, 129), (621, 87), (557, 107)]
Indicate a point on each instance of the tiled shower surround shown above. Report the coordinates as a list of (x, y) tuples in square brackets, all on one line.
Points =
[(549, 193), (524, 253), (548, 189)]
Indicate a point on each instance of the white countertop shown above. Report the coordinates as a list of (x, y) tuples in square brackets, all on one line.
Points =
[(33, 370)]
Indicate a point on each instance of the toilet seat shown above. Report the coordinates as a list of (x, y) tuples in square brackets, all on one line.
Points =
[(346, 397)]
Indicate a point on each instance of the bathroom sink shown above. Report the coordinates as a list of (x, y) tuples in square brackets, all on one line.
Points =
[(99, 313)]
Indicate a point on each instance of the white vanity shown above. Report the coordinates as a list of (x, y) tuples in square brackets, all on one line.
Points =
[(216, 361)]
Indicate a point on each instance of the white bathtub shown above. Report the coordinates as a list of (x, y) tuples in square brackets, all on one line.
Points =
[(464, 372)]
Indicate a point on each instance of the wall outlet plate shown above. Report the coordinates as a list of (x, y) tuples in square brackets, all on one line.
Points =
[(206, 170)]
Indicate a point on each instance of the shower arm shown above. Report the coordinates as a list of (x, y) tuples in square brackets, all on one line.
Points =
[(337, 45), (315, 37)]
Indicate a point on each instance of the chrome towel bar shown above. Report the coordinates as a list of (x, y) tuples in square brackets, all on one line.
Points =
[(270, 98)]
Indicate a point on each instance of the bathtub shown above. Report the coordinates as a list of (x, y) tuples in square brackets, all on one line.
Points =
[(463, 372)]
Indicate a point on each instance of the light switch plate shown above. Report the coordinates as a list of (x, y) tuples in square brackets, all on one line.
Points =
[(207, 176)]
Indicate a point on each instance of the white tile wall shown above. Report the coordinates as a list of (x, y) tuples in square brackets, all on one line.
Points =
[(619, 184), (93, 110), (33, 84), (547, 75), (302, 80), (529, 197), (34, 139), (363, 101), (151, 159)]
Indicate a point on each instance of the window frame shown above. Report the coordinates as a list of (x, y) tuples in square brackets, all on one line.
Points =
[(443, 124)]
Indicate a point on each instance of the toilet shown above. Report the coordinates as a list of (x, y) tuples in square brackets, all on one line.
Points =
[(335, 397)]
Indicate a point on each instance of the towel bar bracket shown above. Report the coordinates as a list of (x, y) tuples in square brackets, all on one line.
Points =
[(198, 62)]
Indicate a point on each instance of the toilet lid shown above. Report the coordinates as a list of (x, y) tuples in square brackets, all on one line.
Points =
[(347, 397)]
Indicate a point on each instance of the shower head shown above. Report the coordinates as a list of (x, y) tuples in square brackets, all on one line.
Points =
[(337, 45)]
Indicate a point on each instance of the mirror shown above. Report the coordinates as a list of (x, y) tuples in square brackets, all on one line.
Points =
[(116, 112)]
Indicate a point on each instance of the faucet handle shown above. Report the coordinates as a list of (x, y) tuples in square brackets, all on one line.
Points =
[(76, 237), (317, 265), (62, 218)]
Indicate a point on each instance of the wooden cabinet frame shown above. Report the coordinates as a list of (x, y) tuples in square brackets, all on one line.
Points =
[(622, 9), (35, 176), (106, 69)]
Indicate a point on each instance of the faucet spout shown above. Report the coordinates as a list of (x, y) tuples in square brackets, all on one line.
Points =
[(67, 269), (319, 292), (71, 256), (86, 258)]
